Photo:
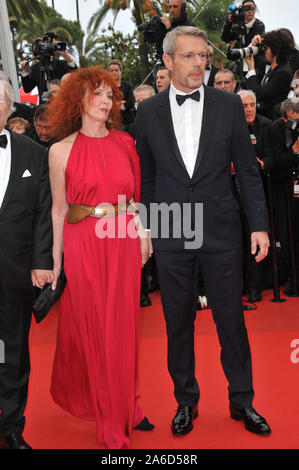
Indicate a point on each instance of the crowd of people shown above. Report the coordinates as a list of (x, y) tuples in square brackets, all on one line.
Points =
[(94, 138)]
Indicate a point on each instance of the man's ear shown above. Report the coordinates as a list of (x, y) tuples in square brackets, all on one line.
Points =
[(167, 61)]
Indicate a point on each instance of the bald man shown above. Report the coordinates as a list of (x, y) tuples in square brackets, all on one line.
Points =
[(179, 15)]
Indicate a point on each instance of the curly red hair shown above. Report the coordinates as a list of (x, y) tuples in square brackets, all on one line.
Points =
[(65, 109)]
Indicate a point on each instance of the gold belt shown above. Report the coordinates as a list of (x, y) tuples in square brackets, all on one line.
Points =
[(78, 212)]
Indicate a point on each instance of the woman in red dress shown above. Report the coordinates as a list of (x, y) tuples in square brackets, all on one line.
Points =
[(95, 371)]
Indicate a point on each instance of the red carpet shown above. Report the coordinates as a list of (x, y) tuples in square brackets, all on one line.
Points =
[(272, 328)]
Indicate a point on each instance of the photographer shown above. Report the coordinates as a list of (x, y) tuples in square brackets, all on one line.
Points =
[(294, 55), (252, 24), (247, 27), (48, 66), (275, 85), (284, 139), (178, 12)]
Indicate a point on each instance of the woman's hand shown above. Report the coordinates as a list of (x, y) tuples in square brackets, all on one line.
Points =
[(55, 274), (40, 277)]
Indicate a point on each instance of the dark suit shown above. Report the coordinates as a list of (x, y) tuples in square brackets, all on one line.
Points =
[(274, 91), (282, 140), (213, 72), (259, 130), (25, 244), (224, 138)]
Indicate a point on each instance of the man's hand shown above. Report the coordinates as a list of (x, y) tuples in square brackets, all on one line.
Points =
[(146, 246), (250, 62), (166, 22), (259, 240), (257, 40), (260, 162), (25, 66), (65, 55), (296, 146), (40, 277)]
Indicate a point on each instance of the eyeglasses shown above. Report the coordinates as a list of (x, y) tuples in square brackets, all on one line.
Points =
[(190, 57), (224, 82)]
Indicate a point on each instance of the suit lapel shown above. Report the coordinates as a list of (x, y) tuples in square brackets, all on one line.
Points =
[(209, 114), (15, 170), (167, 124)]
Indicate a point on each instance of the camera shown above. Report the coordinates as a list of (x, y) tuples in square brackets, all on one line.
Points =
[(153, 30), (237, 54), (238, 12), (44, 47)]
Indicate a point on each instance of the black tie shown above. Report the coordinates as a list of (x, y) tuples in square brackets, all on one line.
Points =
[(266, 76), (208, 67), (3, 141), (182, 98)]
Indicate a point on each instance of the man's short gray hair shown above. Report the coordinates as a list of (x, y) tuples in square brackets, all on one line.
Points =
[(290, 104), (148, 88), (169, 43), (247, 94), (227, 71), (8, 91)]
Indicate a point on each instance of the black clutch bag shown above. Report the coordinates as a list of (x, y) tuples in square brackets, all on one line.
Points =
[(47, 298)]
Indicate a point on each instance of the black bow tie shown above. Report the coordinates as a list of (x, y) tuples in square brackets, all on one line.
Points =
[(3, 141), (208, 67), (182, 98)]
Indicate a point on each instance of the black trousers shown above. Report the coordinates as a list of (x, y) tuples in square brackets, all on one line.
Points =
[(15, 321), (222, 273)]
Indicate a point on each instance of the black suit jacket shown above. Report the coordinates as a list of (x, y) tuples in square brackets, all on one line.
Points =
[(282, 141), (25, 218), (213, 72), (260, 128), (274, 91), (224, 138)]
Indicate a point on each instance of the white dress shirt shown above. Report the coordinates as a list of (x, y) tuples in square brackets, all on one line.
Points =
[(5, 163), (187, 121), (207, 74)]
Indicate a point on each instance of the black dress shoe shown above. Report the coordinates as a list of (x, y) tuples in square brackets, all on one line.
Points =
[(144, 425), (145, 301), (254, 295), (182, 423), (254, 422), (14, 442)]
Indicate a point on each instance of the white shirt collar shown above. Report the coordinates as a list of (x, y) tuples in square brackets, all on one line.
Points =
[(179, 92), (5, 132), (250, 24)]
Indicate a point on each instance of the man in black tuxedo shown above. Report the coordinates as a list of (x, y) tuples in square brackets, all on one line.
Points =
[(210, 70), (284, 138), (25, 262), (258, 127), (186, 138)]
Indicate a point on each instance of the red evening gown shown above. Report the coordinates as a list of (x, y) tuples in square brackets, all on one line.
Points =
[(96, 360)]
